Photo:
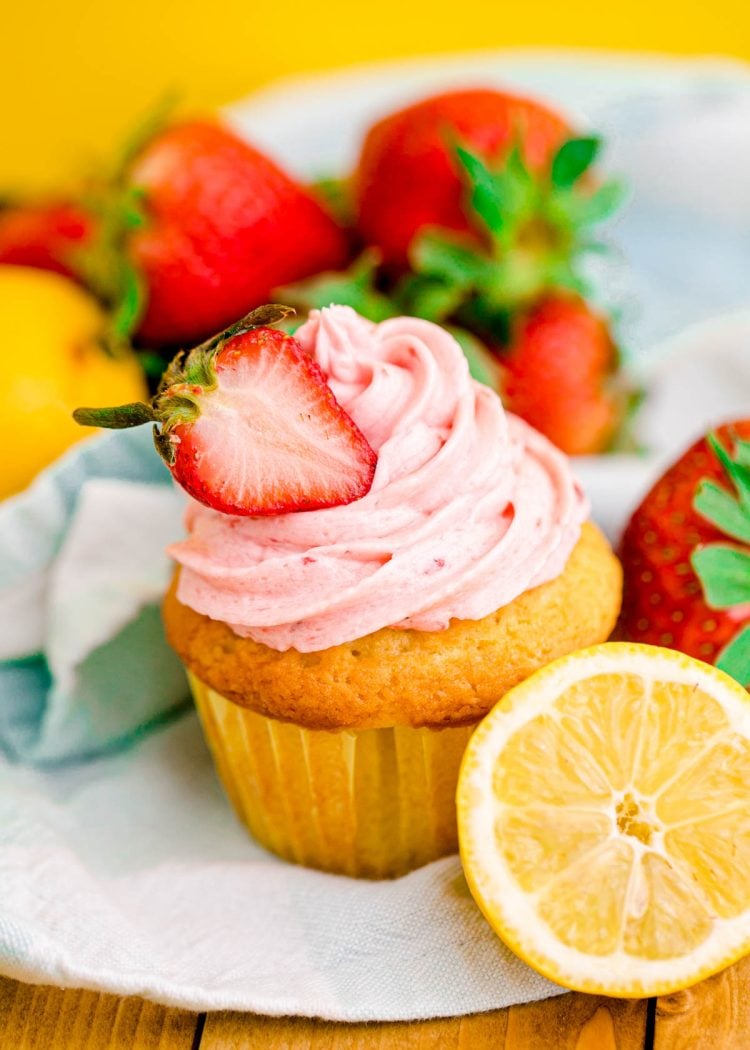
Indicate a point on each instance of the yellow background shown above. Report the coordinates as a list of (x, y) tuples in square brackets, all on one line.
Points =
[(74, 75)]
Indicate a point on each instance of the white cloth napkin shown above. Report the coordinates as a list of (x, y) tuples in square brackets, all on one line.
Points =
[(131, 875)]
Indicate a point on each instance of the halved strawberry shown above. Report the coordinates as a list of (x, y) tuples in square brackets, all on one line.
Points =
[(248, 425)]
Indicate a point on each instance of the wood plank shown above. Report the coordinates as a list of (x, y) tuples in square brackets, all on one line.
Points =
[(578, 1022), (570, 1022), (35, 1017), (715, 1014)]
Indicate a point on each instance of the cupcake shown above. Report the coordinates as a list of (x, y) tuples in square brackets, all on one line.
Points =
[(341, 657)]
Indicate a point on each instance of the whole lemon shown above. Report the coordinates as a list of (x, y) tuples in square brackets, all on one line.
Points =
[(52, 362)]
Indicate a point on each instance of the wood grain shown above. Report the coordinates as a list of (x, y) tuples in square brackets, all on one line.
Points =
[(570, 1022), (577, 1022), (715, 1014), (34, 1017)]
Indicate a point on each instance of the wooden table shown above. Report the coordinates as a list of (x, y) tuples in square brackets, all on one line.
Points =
[(714, 1015)]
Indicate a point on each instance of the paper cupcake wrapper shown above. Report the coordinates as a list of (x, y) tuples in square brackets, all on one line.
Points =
[(371, 803)]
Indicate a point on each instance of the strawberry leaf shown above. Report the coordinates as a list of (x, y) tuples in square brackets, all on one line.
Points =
[(152, 364), (483, 196), (724, 572), (738, 473), (572, 159), (337, 197), (493, 322), (120, 209), (536, 227), (742, 452), (581, 210), (518, 277), (517, 195), (439, 255), (131, 301), (420, 295), (719, 507), (516, 183), (104, 262), (734, 659), (561, 274), (133, 208), (447, 273), (355, 287)]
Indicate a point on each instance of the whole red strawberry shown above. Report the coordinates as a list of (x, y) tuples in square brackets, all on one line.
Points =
[(408, 177), (685, 554), (44, 236), (214, 227), (557, 374), (248, 425), (485, 200)]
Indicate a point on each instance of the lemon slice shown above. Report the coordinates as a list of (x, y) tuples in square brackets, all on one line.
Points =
[(604, 820)]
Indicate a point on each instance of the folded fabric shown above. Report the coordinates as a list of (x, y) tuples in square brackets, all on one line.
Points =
[(84, 662), (131, 875)]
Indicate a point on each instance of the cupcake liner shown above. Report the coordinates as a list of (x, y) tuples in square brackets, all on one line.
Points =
[(370, 803)]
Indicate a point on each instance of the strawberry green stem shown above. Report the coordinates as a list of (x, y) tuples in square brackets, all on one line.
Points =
[(534, 230), (120, 417)]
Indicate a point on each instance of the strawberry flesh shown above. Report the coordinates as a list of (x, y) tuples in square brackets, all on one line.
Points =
[(270, 437)]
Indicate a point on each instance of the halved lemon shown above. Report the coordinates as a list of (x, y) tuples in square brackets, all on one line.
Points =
[(604, 820)]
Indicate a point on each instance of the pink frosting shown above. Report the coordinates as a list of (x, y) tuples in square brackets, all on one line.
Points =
[(469, 507)]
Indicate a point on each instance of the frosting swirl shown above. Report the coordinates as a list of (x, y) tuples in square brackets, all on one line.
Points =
[(469, 506)]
